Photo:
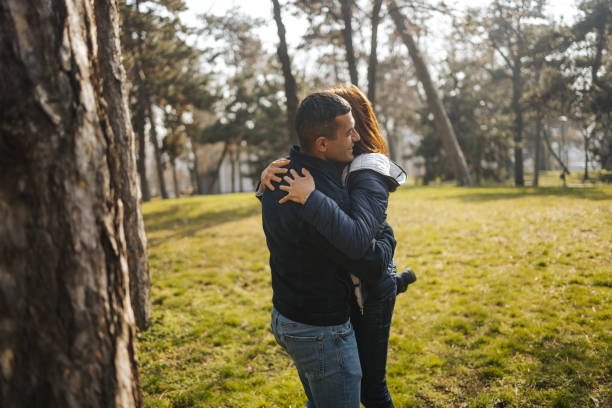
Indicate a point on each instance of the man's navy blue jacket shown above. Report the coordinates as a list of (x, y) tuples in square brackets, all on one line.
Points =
[(310, 277)]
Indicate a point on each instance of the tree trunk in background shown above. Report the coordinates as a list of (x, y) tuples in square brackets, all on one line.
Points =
[(290, 87), (373, 62), (239, 160), (477, 166), (218, 168), (196, 169), (157, 150), (347, 34), (114, 78), (233, 167), (517, 94), (174, 178), (441, 121), (67, 335), (383, 120), (393, 153), (139, 128), (552, 151), (586, 154), (537, 159)]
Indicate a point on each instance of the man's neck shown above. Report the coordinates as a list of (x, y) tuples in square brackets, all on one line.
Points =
[(340, 167), (319, 155)]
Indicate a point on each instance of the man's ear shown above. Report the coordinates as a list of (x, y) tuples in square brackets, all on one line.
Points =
[(320, 144)]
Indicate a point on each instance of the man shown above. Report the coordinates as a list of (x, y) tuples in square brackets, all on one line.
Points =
[(310, 278)]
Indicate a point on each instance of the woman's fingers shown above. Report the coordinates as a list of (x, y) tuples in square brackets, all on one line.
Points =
[(268, 175), (306, 174), (268, 184), (295, 186), (277, 170)]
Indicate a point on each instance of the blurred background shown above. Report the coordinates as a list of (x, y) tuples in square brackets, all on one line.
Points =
[(526, 86)]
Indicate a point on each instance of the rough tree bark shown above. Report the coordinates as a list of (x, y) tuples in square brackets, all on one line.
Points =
[(66, 183), (347, 33), (290, 87), (373, 61), (113, 80), (441, 121)]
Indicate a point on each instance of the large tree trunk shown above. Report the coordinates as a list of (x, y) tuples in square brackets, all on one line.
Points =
[(159, 165), (114, 78), (347, 33), (67, 335), (290, 87), (373, 62), (441, 121)]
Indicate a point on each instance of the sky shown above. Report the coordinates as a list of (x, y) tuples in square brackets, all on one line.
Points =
[(295, 28), (263, 9)]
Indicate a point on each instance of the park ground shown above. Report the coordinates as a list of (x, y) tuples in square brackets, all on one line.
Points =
[(511, 307)]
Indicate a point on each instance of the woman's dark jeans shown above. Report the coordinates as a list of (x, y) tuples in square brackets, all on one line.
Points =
[(372, 334)]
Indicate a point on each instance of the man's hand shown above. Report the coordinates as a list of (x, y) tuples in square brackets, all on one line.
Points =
[(269, 174), (299, 188)]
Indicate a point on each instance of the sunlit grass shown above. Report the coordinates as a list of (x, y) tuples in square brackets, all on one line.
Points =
[(511, 309), (546, 178)]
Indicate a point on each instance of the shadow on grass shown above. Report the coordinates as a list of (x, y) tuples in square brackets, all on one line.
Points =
[(174, 219), (486, 194), (575, 374)]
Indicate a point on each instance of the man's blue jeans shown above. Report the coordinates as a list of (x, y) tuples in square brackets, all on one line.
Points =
[(326, 359)]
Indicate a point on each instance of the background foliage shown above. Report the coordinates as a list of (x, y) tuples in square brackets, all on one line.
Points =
[(520, 87)]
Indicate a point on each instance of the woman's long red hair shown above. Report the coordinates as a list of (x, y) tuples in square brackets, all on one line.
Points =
[(371, 141)]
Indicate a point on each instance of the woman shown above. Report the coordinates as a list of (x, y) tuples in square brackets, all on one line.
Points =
[(372, 310)]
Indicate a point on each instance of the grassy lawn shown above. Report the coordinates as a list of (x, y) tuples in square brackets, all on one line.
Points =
[(511, 309)]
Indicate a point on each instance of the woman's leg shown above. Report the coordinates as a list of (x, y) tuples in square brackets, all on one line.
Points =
[(372, 334)]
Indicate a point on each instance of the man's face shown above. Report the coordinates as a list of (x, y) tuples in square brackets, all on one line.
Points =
[(340, 149)]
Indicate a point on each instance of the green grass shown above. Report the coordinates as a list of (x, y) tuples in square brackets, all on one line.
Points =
[(549, 178), (511, 309)]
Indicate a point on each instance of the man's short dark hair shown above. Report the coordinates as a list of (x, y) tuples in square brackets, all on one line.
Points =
[(316, 117)]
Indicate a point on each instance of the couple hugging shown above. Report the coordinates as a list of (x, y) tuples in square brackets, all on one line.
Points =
[(331, 252)]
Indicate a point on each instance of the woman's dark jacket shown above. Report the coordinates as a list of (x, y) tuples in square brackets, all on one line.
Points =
[(351, 234)]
